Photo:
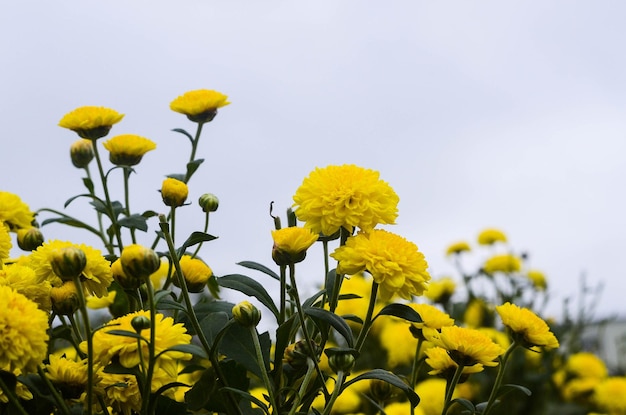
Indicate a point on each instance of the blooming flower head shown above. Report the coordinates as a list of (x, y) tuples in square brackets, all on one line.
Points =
[(23, 332), (91, 122), (199, 105), (491, 236), (443, 365), (395, 263), (578, 366), (538, 279), (506, 263), (609, 395), (432, 318), (396, 339), (440, 291), (5, 243), (69, 376), (345, 196), (457, 248), (195, 272), (174, 192), (168, 334), (290, 244), (477, 313), (96, 275), (128, 149), (466, 346), (24, 280), (432, 392), (14, 213), (526, 327)]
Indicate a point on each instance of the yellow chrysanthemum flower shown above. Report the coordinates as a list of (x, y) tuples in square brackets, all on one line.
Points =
[(290, 244), (69, 376), (538, 279), (24, 280), (14, 213), (432, 393), (432, 318), (196, 273), (457, 248), (355, 285), (491, 236), (345, 196), (477, 313), (580, 365), (91, 122), (579, 390), (402, 408), (396, 339), (442, 364), (199, 105), (96, 275), (23, 332), (440, 291), (498, 337), (395, 263), (105, 301), (128, 149), (5, 243), (609, 395), (174, 192), (526, 327), (506, 263), (348, 402), (466, 346), (108, 346)]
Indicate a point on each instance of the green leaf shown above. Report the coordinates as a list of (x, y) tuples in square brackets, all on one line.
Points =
[(329, 284), (134, 221), (71, 199), (309, 302), (99, 205), (177, 176), (88, 184), (183, 132), (167, 406), (61, 332), (259, 267), (249, 287), (115, 367), (192, 166), (195, 238), (237, 344), (149, 214), (248, 397), (187, 348), (400, 310), (388, 377), (510, 387), (212, 325), (167, 303), (339, 324), (464, 403), (126, 333), (70, 221), (201, 392), (283, 334)]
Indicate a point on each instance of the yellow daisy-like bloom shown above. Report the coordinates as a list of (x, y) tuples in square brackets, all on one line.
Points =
[(96, 303), (491, 236), (396, 339), (432, 392), (432, 319), (14, 213), (442, 364), (498, 337), (506, 263), (477, 312), (128, 149), (24, 280), (526, 327), (458, 247), (96, 276), (345, 196), (5, 243), (440, 291), (108, 346), (91, 122), (466, 346), (395, 263), (174, 192), (196, 273), (579, 366), (199, 105), (69, 376), (23, 332), (538, 279), (609, 395), (290, 244)]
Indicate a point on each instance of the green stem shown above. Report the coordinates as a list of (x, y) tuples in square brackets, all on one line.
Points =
[(147, 398), (283, 294), (341, 375), (88, 334), (450, 388), (127, 171), (417, 362), (206, 229), (55, 393), (304, 385), (504, 360), (12, 397), (194, 147), (266, 379), (173, 224), (93, 193), (338, 277), (367, 324)]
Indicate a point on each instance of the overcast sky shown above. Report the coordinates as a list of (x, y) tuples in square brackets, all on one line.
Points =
[(479, 114)]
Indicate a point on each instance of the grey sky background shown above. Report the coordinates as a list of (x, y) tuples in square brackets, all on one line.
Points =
[(479, 114)]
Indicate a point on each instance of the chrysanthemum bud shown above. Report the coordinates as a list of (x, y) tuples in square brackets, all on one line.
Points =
[(290, 244), (68, 263), (140, 323), (128, 283), (195, 272), (65, 300), (340, 359), (81, 153), (174, 192), (138, 262), (246, 314), (380, 390), (29, 239), (209, 202), (296, 354)]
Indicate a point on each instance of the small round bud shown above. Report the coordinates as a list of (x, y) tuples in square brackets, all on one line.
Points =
[(381, 390), (65, 299), (296, 354), (128, 283), (139, 262), (81, 153), (68, 263), (246, 314), (140, 323), (195, 272), (340, 359), (174, 192), (290, 244), (29, 239), (208, 202)]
